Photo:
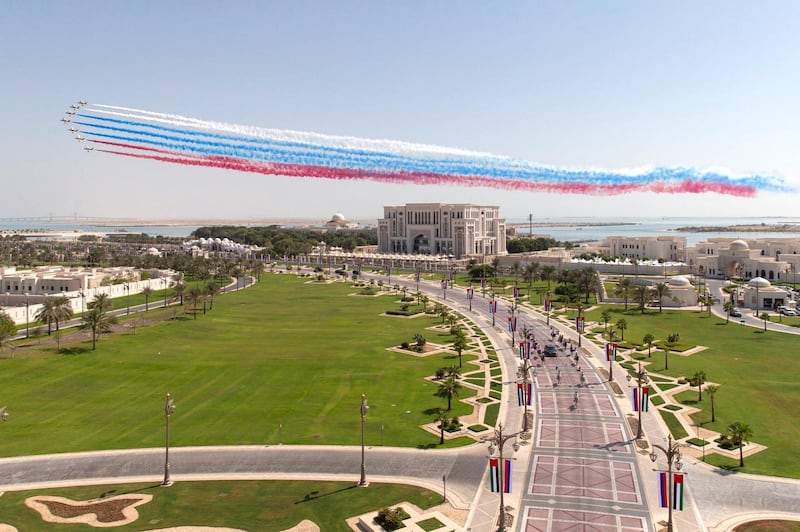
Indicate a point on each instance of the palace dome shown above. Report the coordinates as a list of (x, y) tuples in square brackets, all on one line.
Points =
[(759, 282), (739, 245), (679, 281)]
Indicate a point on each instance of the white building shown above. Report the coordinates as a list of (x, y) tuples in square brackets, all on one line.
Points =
[(668, 248), (442, 229), (772, 259)]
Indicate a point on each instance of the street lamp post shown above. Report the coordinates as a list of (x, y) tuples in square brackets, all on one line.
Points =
[(673, 454), (549, 306), (169, 409), (497, 442), (364, 408), (641, 377), (523, 372), (165, 282), (27, 317), (128, 290)]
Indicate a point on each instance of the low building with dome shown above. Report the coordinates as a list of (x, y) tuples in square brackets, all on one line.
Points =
[(681, 293), (772, 259), (760, 294)]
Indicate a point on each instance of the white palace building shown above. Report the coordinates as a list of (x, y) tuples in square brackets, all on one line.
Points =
[(449, 229)]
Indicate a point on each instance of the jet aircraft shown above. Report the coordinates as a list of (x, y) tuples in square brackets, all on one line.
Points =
[(88, 148)]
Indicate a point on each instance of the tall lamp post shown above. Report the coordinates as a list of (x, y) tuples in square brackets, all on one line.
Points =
[(166, 283), (673, 454), (364, 408), (641, 377), (497, 442), (128, 290), (169, 409), (27, 317), (524, 372)]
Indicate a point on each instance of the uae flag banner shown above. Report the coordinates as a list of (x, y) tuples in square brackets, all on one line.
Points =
[(494, 475), (635, 399), (506, 476), (547, 305), (492, 306), (522, 350), (516, 292), (470, 293), (645, 399), (611, 352), (529, 394), (520, 394), (663, 489), (483, 283), (677, 493)]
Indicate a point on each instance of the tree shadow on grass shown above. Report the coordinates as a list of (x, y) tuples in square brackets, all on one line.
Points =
[(310, 496), (72, 351)]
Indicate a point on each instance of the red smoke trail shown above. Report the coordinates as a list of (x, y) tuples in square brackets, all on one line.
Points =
[(421, 178)]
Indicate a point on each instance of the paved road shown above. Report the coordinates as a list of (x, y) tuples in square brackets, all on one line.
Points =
[(581, 470)]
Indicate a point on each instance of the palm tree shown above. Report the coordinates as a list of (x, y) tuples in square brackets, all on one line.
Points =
[(712, 391), (623, 288), (739, 433), (448, 389), (547, 274), (641, 294), (622, 324), (441, 418), (648, 340), (147, 292), (698, 379), (101, 301), (425, 299), (212, 289), (459, 344), (531, 271), (98, 321), (516, 269), (666, 358), (46, 313), (180, 288), (765, 316), (661, 290), (728, 307), (606, 317), (195, 296)]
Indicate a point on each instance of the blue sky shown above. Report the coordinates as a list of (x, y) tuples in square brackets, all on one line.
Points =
[(574, 84)]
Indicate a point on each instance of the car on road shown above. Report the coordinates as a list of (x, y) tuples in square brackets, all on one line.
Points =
[(550, 350), (786, 311), (736, 314)]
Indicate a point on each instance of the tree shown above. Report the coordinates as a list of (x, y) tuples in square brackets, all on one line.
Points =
[(698, 379), (101, 301), (739, 433), (765, 316), (622, 324), (448, 389), (547, 274), (54, 310), (648, 340), (212, 289), (728, 307), (641, 294), (459, 344), (666, 358), (606, 317), (180, 289), (441, 418), (495, 266), (531, 271), (147, 292), (660, 291), (712, 391), (623, 288), (7, 330), (195, 297), (98, 321)]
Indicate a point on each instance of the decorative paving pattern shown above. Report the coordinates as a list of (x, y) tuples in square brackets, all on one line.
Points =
[(565, 376), (584, 477), (554, 520), (584, 435), (589, 404)]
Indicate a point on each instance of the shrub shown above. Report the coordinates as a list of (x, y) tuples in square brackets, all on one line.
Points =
[(391, 518), (440, 373), (420, 340), (405, 345)]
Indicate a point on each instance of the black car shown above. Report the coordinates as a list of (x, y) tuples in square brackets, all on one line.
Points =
[(550, 351)]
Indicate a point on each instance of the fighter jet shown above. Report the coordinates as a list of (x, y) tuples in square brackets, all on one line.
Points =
[(71, 113), (88, 148), (66, 120), (74, 106), (73, 130), (82, 102), (80, 139)]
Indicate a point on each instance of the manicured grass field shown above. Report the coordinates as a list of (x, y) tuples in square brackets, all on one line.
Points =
[(250, 505), (284, 353), (758, 374)]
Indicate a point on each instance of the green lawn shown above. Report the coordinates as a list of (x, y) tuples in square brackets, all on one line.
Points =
[(248, 505), (758, 373), (285, 352)]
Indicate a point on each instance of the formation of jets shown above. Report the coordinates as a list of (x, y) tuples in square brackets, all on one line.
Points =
[(73, 109)]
